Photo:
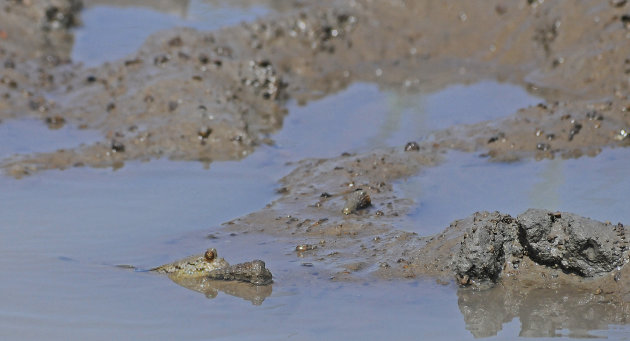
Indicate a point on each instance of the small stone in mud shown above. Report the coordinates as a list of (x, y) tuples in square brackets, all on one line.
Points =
[(117, 147), (161, 59), (412, 146), (133, 62), (622, 135), (357, 200), (593, 115), (204, 132), (618, 3), (176, 42), (55, 122), (574, 130), (282, 190), (305, 247)]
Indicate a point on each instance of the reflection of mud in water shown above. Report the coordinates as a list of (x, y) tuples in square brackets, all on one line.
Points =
[(542, 312), (249, 292)]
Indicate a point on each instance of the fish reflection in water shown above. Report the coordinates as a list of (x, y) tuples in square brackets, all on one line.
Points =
[(210, 288)]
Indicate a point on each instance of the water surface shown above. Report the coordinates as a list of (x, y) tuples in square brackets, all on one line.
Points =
[(113, 30), (364, 116), (590, 186), (64, 232), (28, 136)]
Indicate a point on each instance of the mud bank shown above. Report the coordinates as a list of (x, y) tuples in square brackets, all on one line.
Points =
[(190, 95)]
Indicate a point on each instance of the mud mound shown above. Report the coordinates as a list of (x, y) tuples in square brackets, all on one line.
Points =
[(565, 241)]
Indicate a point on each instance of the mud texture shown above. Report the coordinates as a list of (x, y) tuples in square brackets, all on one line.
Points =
[(492, 241), (563, 241), (208, 96), (572, 243)]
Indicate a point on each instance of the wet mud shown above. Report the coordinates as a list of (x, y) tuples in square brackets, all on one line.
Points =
[(190, 95), (209, 96)]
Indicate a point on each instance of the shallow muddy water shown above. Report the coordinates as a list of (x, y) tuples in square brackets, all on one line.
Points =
[(593, 186), (75, 244), (111, 32), (363, 116), (26, 136), (62, 251)]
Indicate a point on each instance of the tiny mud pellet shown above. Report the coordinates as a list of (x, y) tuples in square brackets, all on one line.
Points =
[(357, 200), (412, 146), (305, 247)]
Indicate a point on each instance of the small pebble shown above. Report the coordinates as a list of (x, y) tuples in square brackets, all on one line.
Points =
[(412, 146), (357, 200), (117, 147), (305, 247)]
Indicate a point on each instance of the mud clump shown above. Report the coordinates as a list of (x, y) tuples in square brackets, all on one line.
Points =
[(573, 244), (357, 200), (483, 252)]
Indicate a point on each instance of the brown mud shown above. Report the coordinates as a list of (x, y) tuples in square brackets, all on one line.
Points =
[(209, 96)]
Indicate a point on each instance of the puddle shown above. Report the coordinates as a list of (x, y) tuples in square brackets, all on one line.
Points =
[(112, 30), (63, 232), (88, 220), (593, 187), (363, 116), (27, 136)]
